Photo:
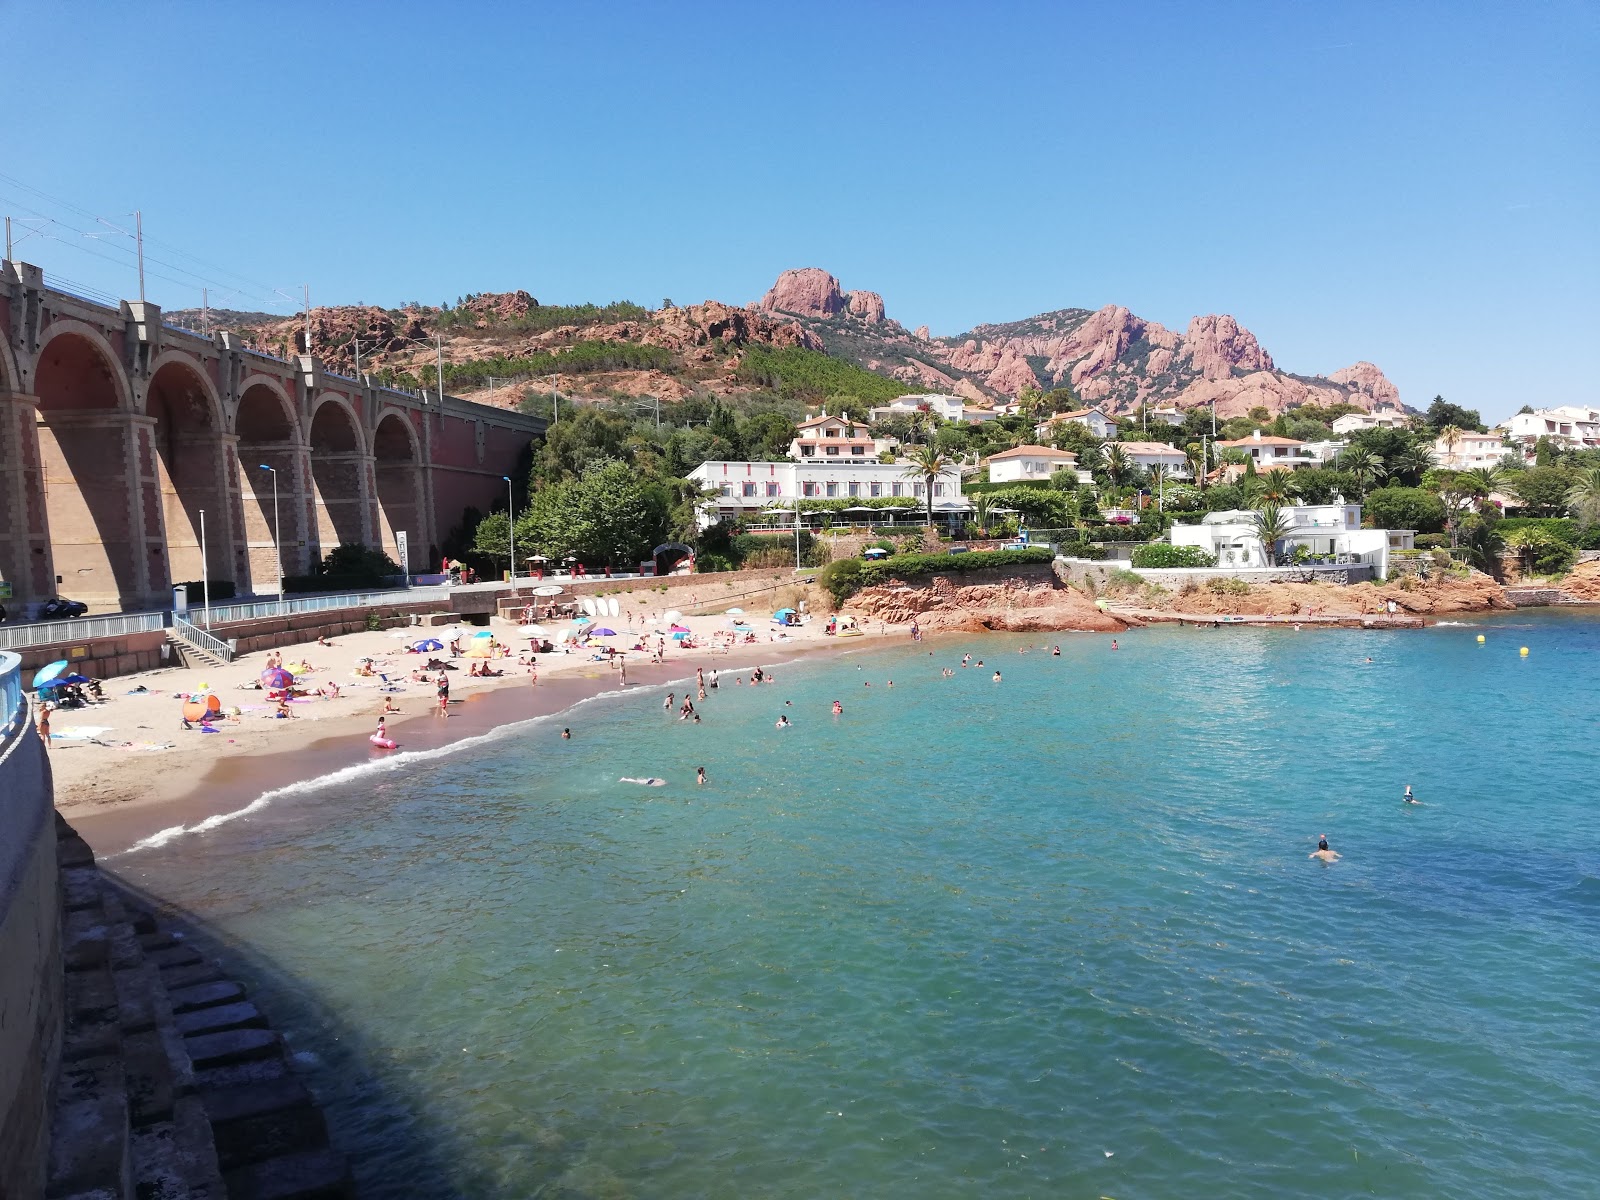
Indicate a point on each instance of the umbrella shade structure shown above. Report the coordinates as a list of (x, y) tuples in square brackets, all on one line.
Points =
[(427, 644), (480, 650), (483, 633), (680, 629), (678, 637), (48, 672), (64, 681), (602, 632), (875, 552), (276, 678), (736, 612), (549, 589), (784, 612), (671, 614)]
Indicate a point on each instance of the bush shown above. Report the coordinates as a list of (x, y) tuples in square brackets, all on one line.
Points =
[(1582, 537), (841, 578), (1115, 533), (1081, 548), (1543, 553), (1405, 508), (1432, 541), (1228, 587), (1162, 554)]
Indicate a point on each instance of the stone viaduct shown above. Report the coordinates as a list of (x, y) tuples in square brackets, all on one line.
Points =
[(116, 431)]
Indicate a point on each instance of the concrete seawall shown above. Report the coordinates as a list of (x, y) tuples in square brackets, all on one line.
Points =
[(30, 956)]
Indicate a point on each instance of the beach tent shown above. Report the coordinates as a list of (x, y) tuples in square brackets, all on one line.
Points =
[(483, 633), (46, 673), (785, 616)]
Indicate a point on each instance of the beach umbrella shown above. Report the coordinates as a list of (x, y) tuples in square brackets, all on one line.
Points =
[(64, 681), (736, 611), (583, 620), (784, 612), (549, 589), (483, 633), (602, 633), (46, 673), (276, 678), (427, 644), (678, 637), (671, 614), (533, 630)]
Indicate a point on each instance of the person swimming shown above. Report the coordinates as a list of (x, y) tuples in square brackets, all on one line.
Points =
[(997, 676), (700, 776), (782, 722), (838, 709), (1408, 797), (566, 735), (1055, 651), (1323, 850)]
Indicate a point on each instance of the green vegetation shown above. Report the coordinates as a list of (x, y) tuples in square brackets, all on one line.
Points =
[(1406, 508), (1161, 554), (1542, 552), (542, 319), (815, 378), (349, 566)]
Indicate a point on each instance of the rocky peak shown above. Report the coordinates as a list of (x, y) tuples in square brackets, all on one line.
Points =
[(1369, 380), (501, 306), (807, 292), (693, 329), (866, 305), (1215, 345)]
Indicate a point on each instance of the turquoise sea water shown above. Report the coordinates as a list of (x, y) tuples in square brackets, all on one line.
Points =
[(1056, 937)]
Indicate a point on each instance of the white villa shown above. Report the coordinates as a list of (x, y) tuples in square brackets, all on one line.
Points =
[(1030, 463), (1470, 450), (745, 489), (948, 408), (1381, 418), (1270, 451), (1150, 455), (1094, 419), (828, 437), (1321, 452), (1170, 416), (1571, 426), (1324, 529)]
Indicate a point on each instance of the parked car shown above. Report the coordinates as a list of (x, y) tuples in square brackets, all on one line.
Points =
[(59, 608)]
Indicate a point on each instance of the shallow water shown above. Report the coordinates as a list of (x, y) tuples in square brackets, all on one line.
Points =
[(1056, 936)]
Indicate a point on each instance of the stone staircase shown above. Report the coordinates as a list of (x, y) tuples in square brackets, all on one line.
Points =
[(185, 653), (172, 1086)]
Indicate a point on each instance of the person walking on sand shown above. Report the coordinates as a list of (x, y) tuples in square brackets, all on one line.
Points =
[(443, 685), (44, 724)]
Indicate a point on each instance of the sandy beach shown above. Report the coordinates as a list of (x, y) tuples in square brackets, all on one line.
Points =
[(128, 768)]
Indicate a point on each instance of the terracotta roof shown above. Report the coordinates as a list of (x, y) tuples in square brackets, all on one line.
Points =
[(1077, 412), (1266, 440), (824, 419), (1149, 448), (1033, 452)]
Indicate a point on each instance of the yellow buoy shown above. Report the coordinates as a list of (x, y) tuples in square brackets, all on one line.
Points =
[(1480, 637), (1524, 652)]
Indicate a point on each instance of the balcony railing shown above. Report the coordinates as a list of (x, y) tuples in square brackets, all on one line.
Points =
[(79, 629)]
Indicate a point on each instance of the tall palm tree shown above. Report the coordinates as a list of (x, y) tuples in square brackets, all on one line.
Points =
[(1583, 497), (927, 463), (1450, 438), (1272, 525), (1365, 467), (1195, 452), (1483, 481), (981, 505), (1277, 486)]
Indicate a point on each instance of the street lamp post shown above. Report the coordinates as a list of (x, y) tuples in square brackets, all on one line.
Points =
[(511, 530), (205, 568), (277, 538)]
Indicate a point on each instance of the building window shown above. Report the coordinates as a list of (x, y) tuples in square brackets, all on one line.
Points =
[(749, 489), (877, 489), (772, 489), (807, 451), (833, 489), (916, 489), (832, 451), (727, 489), (855, 489), (808, 489), (859, 450), (938, 489), (897, 489)]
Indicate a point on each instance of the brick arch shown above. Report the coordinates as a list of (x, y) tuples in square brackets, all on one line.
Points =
[(339, 473), (10, 381), (187, 477), (273, 505), (105, 353), (397, 477)]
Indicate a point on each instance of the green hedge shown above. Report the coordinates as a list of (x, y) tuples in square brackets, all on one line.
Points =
[(1163, 554), (978, 489), (1581, 537), (848, 576)]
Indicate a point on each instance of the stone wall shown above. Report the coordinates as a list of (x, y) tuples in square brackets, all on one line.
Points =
[(1076, 570), (101, 658), (264, 633), (30, 963)]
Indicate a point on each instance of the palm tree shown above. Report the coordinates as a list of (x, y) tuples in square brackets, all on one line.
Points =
[(1195, 452), (1450, 437), (1483, 481), (1583, 497), (1413, 463), (1272, 526), (1277, 485), (981, 504), (1365, 467), (927, 463), (1116, 464)]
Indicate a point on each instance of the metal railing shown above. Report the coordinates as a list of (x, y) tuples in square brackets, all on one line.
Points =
[(13, 704), (202, 640), (79, 629), (322, 603)]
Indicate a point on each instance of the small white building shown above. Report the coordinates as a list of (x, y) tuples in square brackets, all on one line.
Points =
[(1324, 451), (1167, 416), (1329, 530), (1093, 419), (1150, 455), (1379, 418), (1270, 451), (946, 408), (1470, 450), (1570, 426), (1029, 463)]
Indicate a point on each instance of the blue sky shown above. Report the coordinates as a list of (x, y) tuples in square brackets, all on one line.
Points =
[(1414, 184)]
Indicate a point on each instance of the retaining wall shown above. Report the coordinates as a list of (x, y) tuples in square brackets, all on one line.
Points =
[(30, 963), (264, 633), (101, 658), (1176, 578)]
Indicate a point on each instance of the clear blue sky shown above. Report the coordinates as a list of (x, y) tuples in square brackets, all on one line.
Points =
[(1413, 184)]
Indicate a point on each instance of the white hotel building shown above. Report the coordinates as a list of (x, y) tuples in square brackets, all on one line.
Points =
[(832, 459)]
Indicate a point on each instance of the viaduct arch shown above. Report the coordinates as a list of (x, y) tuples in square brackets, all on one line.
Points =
[(117, 432)]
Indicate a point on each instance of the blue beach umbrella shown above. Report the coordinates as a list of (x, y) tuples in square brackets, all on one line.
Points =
[(602, 633), (64, 681), (427, 644), (583, 620), (678, 637), (46, 673)]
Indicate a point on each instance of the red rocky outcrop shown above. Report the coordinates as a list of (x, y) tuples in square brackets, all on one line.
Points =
[(866, 305), (807, 292)]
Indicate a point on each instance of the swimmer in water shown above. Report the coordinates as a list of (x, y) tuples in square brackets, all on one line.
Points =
[(1055, 651), (1408, 797), (997, 676), (667, 703), (649, 781), (782, 722), (700, 776), (566, 735), (838, 709), (1113, 643), (1322, 851)]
